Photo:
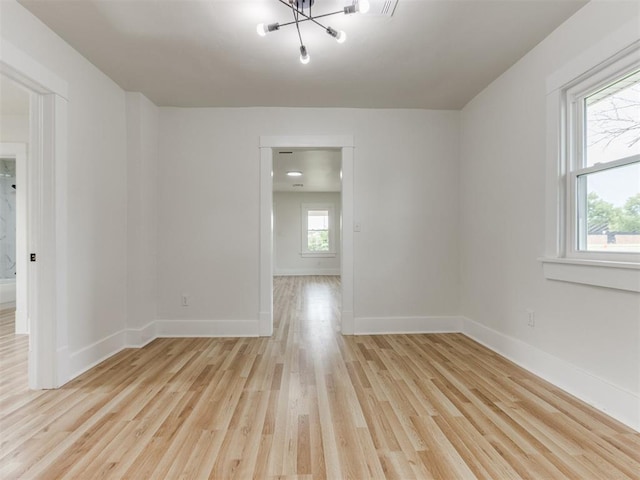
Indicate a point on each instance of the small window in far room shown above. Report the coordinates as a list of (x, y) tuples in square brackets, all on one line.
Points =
[(603, 206), (317, 230)]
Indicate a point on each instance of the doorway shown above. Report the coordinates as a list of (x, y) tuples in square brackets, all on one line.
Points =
[(47, 222), (14, 140), (307, 208), (268, 145), (13, 233)]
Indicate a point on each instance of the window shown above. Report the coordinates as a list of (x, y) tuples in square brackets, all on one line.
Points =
[(593, 167), (317, 230), (603, 165)]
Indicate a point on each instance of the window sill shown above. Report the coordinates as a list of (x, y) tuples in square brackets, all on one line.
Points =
[(317, 254), (600, 273)]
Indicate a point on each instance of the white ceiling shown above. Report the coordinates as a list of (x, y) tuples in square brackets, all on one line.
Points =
[(435, 54), (320, 170)]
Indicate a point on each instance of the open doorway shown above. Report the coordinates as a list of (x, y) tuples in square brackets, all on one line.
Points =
[(269, 146), (14, 141), (14, 145), (45, 187), (307, 208)]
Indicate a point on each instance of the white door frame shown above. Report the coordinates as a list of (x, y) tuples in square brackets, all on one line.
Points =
[(47, 217), (267, 144)]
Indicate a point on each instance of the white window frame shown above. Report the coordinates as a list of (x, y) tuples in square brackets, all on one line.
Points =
[(304, 230), (574, 133), (562, 260)]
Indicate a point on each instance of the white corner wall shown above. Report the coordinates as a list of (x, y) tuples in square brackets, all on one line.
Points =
[(287, 239), (586, 339), (142, 217), (97, 190), (405, 197)]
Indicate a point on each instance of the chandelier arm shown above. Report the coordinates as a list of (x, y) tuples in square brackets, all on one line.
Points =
[(327, 14), (288, 5), (295, 17), (313, 19), (291, 23), (308, 19)]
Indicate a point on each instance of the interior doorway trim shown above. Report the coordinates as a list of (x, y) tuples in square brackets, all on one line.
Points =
[(47, 217), (267, 144)]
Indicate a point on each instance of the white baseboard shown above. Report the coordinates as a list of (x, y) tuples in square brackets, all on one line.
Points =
[(22, 322), (285, 272), (616, 402), (265, 320), (207, 328), (399, 325), (347, 327), (63, 366), (75, 364), (139, 337), (8, 295), (91, 355)]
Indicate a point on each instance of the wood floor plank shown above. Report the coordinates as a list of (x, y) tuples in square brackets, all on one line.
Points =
[(306, 403)]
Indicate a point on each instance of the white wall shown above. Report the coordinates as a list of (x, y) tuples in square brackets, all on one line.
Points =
[(96, 180), (14, 128), (287, 238), (502, 208), (406, 199), (142, 215)]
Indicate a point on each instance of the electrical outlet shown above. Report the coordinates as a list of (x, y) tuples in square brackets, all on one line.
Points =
[(531, 320), (185, 300)]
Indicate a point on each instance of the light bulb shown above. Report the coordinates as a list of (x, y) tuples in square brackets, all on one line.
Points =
[(340, 36), (364, 6), (304, 56), (263, 29)]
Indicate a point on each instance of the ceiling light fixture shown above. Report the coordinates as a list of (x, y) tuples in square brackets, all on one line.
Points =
[(302, 12), (294, 173)]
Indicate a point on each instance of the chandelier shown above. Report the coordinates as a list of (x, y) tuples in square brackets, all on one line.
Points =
[(303, 12)]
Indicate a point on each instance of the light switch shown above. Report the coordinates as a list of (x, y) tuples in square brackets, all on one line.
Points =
[(357, 227)]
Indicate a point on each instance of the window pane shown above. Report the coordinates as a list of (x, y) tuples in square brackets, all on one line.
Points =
[(609, 210), (613, 121), (318, 241), (318, 220)]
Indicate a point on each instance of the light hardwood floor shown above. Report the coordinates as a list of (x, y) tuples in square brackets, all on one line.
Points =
[(305, 403)]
